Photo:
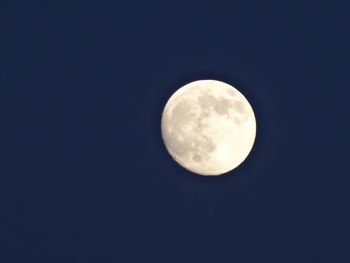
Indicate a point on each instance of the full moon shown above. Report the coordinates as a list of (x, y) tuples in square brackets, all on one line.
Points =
[(208, 127)]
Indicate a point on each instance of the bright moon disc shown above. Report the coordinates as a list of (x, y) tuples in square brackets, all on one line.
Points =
[(208, 127)]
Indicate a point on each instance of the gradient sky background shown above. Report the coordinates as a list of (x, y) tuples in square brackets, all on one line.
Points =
[(84, 175)]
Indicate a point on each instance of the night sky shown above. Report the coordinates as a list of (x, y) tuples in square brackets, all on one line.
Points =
[(85, 176)]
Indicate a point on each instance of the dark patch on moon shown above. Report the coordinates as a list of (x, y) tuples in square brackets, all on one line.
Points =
[(205, 101), (239, 106), (181, 115), (220, 105), (197, 158), (236, 120), (231, 93)]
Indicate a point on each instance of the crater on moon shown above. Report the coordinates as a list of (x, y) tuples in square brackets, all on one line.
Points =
[(208, 127)]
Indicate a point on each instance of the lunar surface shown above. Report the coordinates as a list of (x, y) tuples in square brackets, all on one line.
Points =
[(208, 127)]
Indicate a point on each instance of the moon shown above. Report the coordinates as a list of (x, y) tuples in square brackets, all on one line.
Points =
[(208, 127)]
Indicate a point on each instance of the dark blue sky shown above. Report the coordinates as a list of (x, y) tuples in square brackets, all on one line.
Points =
[(84, 175)]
